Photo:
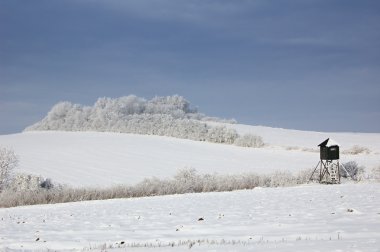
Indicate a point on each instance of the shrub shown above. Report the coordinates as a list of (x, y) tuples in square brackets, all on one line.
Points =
[(249, 140), (47, 184), (352, 170), (8, 162), (356, 149), (375, 173), (305, 175), (27, 182), (221, 135), (23, 182), (282, 178)]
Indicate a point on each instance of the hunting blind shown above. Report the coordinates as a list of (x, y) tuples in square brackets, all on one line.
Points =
[(329, 168)]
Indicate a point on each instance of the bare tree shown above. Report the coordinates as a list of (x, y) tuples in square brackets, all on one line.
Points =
[(8, 162)]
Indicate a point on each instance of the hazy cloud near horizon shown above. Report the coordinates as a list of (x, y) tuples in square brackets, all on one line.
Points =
[(311, 65)]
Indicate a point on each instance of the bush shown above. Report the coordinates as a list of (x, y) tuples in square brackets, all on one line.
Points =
[(47, 184), (352, 170), (221, 135), (305, 175), (284, 178), (249, 140), (375, 173), (28, 182), (8, 162), (356, 149)]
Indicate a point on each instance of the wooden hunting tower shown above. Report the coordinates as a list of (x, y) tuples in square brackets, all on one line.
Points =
[(329, 150), (329, 169)]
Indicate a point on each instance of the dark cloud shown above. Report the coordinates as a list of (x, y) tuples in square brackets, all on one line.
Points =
[(262, 62)]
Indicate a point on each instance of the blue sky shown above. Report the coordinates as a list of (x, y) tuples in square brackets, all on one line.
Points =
[(300, 64)]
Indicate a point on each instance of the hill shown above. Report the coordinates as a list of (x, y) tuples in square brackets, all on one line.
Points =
[(127, 139), (104, 158)]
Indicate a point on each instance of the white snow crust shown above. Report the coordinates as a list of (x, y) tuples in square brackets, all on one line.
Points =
[(304, 218), (332, 142)]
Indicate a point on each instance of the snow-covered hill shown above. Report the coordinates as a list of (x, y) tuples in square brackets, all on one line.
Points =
[(104, 159), (303, 218), (306, 139)]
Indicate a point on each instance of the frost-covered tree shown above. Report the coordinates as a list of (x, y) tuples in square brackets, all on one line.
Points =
[(164, 116), (175, 105), (8, 162)]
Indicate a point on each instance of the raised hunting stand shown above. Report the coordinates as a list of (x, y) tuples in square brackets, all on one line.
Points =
[(329, 168)]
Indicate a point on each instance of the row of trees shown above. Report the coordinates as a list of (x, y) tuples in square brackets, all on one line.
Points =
[(165, 116), (66, 114), (185, 181)]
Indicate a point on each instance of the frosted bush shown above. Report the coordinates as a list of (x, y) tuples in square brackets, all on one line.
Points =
[(25, 182), (282, 178), (210, 183), (356, 149), (187, 180), (221, 135), (8, 162), (148, 187), (375, 173), (249, 140), (305, 175), (352, 170), (291, 148), (47, 184), (310, 149)]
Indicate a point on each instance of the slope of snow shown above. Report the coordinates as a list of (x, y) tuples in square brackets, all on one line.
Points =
[(308, 139), (304, 218), (103, 159)]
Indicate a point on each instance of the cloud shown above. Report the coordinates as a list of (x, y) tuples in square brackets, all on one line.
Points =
[(199, 12), (14, 106), (309, 41)]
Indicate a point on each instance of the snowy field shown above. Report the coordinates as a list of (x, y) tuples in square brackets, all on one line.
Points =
[(83, 158), (304, 218), (308, 139)]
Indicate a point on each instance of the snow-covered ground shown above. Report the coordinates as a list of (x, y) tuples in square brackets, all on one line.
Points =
[(104, 159), (303, 218), (307, 139)]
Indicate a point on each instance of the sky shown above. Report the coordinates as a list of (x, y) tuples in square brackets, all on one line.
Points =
[(298, 64)]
